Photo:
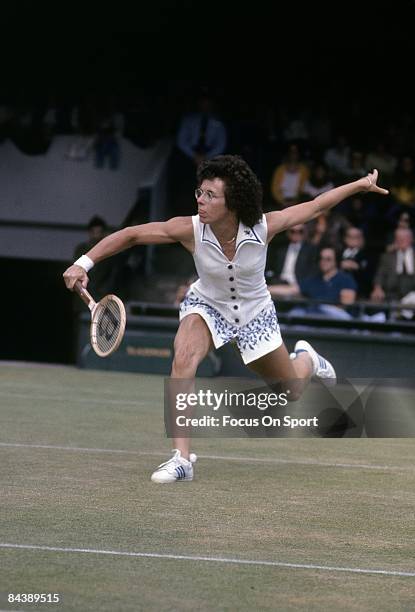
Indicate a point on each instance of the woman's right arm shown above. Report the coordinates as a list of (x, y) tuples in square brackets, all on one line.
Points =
[(178, 229)]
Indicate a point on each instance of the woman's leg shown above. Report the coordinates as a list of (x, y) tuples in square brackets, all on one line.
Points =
[(192, 343)]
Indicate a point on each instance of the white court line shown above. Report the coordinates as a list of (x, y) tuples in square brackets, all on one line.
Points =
[(120, 553), (361, 466), (75, 400), (76, 448)]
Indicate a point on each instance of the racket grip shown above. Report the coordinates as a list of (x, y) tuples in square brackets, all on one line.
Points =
[(84, 295)]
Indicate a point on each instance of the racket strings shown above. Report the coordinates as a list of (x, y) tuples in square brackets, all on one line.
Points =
[(108, 326)]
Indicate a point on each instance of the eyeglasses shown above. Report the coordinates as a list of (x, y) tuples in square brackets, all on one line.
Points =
[(208, 195)]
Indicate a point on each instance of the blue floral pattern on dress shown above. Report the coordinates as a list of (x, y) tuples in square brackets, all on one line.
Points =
[(248, 336), (224, 329), (258, 329)]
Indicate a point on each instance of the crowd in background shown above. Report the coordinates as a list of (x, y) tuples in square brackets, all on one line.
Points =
[(362, 249)]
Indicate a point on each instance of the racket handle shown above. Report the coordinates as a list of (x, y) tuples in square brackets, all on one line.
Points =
[(84, 295)]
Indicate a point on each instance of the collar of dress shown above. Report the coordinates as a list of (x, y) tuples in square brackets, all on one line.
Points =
[(245, 235)]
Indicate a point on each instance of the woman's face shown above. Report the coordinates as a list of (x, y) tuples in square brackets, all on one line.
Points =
[(211, 203)]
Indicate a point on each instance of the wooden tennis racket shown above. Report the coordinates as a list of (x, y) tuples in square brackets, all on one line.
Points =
[(107, 321)]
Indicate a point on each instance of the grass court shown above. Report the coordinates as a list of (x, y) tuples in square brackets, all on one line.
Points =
[(267, 524)]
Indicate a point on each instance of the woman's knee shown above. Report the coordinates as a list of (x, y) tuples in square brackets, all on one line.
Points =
[(186, 358)]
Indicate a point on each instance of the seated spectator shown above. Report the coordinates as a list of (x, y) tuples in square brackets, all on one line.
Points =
[(330, 284), (293, 262), (405, 220), (288, 179), (318, 182), (326, 229), (355, 260), (395, 276)]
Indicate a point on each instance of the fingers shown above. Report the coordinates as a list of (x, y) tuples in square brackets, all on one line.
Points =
[(74, 274), (372, 177)]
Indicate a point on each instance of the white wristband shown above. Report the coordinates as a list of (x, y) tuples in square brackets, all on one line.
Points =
[(84, 262)]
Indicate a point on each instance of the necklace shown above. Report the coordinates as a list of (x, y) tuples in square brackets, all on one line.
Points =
[(231, 240)]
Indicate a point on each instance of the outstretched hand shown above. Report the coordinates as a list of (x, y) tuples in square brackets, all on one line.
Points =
[(371, 183)]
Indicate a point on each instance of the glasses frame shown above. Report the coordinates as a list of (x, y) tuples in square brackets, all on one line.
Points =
[(207, 195)]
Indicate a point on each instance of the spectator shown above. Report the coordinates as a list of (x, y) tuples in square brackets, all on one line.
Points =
[(405, 220), (293, 262), (318, 182), (201, 135), (395, 276), (289, 178), (326, 229), (355, 260), (330, 284), (102, 277)]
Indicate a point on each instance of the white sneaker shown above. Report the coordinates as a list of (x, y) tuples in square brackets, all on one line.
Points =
[(176, 468), (321, 367)]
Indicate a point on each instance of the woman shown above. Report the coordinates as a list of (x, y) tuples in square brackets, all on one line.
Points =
[(228, 239)]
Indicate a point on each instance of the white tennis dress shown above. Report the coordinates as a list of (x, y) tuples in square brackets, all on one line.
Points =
[(232, 296)]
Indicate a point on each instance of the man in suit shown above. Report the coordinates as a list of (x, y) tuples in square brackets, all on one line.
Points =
[(293, 262), (201, 135), (356, 261), (395, 276)]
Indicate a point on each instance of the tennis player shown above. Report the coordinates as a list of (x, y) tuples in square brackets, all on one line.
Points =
[(230, 301)]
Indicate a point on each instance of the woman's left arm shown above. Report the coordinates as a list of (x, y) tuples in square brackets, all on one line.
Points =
[(281, 220)]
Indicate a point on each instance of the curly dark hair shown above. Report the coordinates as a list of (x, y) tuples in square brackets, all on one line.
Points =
[(243, 191)]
